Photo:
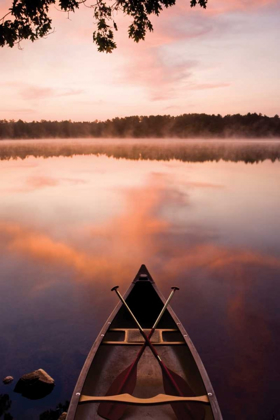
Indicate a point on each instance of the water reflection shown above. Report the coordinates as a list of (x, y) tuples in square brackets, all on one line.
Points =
[(183, 150), (70, 229)]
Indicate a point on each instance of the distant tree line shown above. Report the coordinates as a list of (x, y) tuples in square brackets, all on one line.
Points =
[(160, 126)]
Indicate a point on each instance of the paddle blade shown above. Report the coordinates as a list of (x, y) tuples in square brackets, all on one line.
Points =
[(124, 383), (183, 411)]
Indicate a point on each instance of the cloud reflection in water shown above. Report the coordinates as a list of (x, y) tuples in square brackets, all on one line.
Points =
[(79, 226)]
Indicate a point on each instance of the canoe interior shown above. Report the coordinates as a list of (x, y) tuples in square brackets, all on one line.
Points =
[(119, 347)]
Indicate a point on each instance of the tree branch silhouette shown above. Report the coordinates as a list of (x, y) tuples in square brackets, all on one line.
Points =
[(31, 19)]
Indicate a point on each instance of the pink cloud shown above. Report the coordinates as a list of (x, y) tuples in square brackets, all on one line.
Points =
[(150, 70), (19, 110), (216, 7), (203, 86), (244, 5), (37, 182), (36, 92), (162, 78), (204, 185), (156, 66), (153, 69), (74, 181)]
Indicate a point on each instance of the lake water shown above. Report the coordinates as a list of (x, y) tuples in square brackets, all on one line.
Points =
[(77, 218)]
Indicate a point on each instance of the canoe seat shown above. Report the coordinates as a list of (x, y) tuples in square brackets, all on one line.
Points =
[(132, 337), (156, 400)]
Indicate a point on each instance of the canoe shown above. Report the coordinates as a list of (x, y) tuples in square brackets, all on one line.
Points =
[(117, 346)]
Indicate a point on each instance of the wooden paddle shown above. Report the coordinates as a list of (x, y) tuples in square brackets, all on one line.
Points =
[(125, 382), (172, 382)]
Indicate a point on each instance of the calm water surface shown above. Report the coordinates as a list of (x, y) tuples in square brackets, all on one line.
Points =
[(73, 227)]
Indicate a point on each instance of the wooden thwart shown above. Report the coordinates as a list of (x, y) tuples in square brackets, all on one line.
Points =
[(156, 400), (132, 337)]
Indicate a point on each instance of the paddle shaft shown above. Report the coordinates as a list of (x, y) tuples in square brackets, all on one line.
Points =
[(109, 410), (155, 324), (141, 351), (147, 340), (155, 353)]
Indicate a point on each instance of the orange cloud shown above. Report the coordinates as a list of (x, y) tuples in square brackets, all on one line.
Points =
[(216, 258), (135, 229), (113, 249), (138, 221), (43, 248)]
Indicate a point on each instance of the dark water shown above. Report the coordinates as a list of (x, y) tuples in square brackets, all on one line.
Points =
[(203, 216)]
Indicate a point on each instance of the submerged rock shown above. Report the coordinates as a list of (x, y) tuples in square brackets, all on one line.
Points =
[(8, 380), (58, 413), (35, 385)]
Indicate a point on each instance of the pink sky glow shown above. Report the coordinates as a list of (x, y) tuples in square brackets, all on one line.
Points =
[(225, 59)]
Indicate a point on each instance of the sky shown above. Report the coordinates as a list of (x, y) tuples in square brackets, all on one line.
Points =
[(222, 60)]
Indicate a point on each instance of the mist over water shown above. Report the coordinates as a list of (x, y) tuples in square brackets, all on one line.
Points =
[(191, 150), (76, 218)]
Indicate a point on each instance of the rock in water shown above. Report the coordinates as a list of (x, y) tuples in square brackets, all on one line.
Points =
[(63, 416), (35, 385), (8, 380)]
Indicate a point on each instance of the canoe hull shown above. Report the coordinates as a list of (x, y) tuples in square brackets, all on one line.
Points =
[(117, 346)]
